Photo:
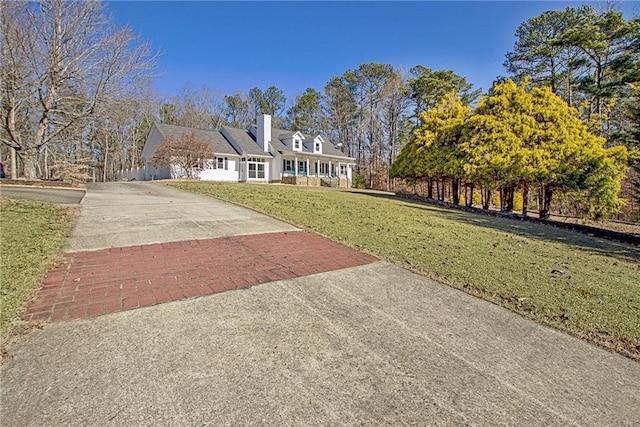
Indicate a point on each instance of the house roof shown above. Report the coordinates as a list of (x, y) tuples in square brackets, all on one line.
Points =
[(328, 149), (214, 138), (235, 141), (283, 134), (244, 142)]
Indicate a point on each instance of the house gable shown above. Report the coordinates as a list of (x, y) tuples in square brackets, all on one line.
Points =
[(318, 141), (294, 141), (154, 138)]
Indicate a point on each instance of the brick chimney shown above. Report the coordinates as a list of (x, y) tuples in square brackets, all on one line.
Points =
[(263, 123)]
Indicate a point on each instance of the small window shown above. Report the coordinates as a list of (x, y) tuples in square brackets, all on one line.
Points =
[(226, 163), (317, 147), (296, 144), (219, 162), (287, 166)]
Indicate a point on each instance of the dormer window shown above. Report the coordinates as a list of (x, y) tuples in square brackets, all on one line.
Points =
[(294, 141), (317, 144)]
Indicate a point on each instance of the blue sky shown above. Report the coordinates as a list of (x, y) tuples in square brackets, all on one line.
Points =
[(234, 46)]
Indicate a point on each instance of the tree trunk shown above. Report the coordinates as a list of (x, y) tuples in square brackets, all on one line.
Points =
[(14, 164), (455, 191), (133, 155), (506, 199), (469, 201), (106, 154), (46, 163), (546, 194), (29, 160), (486, 198), (430, 188), (525, 199), (95, 160)]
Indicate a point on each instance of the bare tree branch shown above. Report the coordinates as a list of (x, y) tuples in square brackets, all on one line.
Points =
[(60, 61)]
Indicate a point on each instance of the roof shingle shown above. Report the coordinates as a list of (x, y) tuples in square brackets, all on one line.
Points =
[(244, 141), (214, 138), (235, 141)]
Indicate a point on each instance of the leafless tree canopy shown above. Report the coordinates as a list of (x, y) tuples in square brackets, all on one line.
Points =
[(188, 153), (60, 61)]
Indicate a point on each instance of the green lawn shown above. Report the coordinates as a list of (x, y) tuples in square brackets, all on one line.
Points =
[(31, 239), (586, 286)]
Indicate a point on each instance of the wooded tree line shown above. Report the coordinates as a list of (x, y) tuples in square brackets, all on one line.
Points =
[(72, 85), (77, 103), (516, 139), (571, 128)]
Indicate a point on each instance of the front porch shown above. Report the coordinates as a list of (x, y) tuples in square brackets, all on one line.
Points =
[(316, 172)]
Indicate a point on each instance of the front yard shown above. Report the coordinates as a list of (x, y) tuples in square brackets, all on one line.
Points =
[(31, 239), (579, 284)]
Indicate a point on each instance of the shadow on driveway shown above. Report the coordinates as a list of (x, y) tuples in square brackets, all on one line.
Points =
[(68, 196)]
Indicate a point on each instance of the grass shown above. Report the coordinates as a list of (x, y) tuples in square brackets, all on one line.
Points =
[(31, 239), (586, 286)]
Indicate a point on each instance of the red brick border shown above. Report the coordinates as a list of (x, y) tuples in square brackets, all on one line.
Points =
[(110, 280)]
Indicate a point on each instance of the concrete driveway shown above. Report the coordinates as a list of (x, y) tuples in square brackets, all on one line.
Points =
[(367, 345), (135, 213)]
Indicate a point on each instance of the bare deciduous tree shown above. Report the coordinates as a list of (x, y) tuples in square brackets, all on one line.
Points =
[(60, 60), (187, 154)]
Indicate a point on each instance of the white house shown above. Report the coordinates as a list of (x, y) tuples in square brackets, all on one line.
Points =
[(260, 153)]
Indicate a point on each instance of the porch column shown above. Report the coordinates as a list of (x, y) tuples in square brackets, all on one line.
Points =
[(295, 171), (318, 167), (307, 170)]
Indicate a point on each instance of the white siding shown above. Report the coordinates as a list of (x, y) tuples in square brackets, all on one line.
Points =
[(153, 140), (276, 167), (229, 175)]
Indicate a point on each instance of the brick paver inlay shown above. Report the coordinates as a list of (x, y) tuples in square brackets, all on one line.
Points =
[(105, 281)]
